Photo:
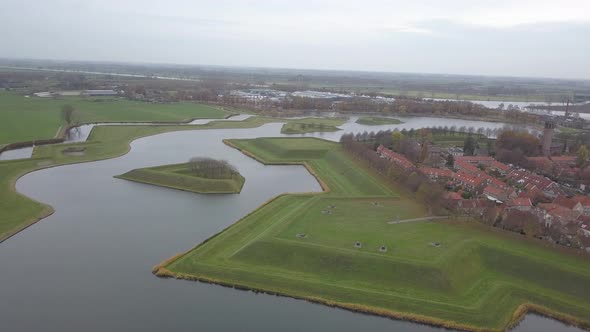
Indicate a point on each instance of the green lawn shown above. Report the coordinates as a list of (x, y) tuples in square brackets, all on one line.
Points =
[(24, 119), (179, 176), (312, 125), (451, 273), (377, 121)]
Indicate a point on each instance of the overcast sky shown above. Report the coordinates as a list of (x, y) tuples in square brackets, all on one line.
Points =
[(490, 37)]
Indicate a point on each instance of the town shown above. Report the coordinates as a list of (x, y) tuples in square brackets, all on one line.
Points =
[(509, 196)]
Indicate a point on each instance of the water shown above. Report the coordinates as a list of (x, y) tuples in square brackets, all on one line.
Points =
[(87, 267), (22, 153), (493, 104)]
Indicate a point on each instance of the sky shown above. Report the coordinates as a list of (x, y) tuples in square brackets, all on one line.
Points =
[(533, 38)]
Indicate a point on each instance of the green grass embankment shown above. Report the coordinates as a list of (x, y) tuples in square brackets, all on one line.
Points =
[(178, 176), (312, 125), (459, 275)]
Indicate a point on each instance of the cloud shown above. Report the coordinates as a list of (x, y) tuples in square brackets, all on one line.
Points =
[(506, 37)]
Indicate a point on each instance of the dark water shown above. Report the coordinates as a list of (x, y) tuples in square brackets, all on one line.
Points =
[(87, 267)]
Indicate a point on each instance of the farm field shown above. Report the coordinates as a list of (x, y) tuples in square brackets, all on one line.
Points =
[(25, 119), (337, 248), (312, 125), (179, 176), (376, 121)]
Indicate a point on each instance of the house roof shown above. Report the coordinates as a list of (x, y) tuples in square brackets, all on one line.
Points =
[(397, 158), (468, 179), (584, 200), (520, 201), (493, 191), (476, 159), (566, 202), (560, 212), (466, 166), (500, 166)]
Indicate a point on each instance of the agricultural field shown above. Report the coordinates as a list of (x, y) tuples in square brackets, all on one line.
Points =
[(180, 176), (312, 125), (377, 121), (25, 119), (350, 247)]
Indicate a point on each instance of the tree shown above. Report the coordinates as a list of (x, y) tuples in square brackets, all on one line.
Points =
[(67, 113), (430, 195), (469, 146), (450, 161), (583, 155), (396, 137), (423, 152)]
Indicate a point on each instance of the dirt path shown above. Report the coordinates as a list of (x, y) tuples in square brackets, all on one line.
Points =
[(418, 219)]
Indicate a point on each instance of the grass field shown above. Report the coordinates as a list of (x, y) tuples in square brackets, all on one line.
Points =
[(376, 121), (448, 273), (24, 119), (179, 176), (312, 125)]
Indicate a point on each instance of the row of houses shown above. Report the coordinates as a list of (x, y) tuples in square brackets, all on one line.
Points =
[(560, 219), (396, 158)]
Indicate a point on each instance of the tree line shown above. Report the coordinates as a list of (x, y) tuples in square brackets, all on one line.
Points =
[(427, 192), (212, 168)]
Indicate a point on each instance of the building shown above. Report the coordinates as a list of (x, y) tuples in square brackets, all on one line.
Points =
[(436, 174), (520, 203), (499, 167), (585, 202), (547, 138), (559, 214), (464, 166), (570, 203), (470, 182), (495, 194), (396, 158)]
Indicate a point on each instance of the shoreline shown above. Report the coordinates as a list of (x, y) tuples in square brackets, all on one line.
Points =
[(60, 135)]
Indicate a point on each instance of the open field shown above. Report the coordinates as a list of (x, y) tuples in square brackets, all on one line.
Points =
[(448, 273), (25, 119), (376, 121), (312, 125), (179, 176)]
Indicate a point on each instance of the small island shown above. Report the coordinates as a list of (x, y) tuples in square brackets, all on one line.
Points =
[(377, 121), (199, 175), (312, 125)]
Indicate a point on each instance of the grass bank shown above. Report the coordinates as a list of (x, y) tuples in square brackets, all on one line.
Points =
[(377, 121), (179, 176), (338, 249), (312, 125)]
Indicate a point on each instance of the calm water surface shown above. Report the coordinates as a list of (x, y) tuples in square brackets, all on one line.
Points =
[(87, 267)]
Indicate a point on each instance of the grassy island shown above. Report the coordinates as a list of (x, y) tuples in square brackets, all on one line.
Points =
[(312, 125), (339, 248), (194, 176), (377, 121)]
